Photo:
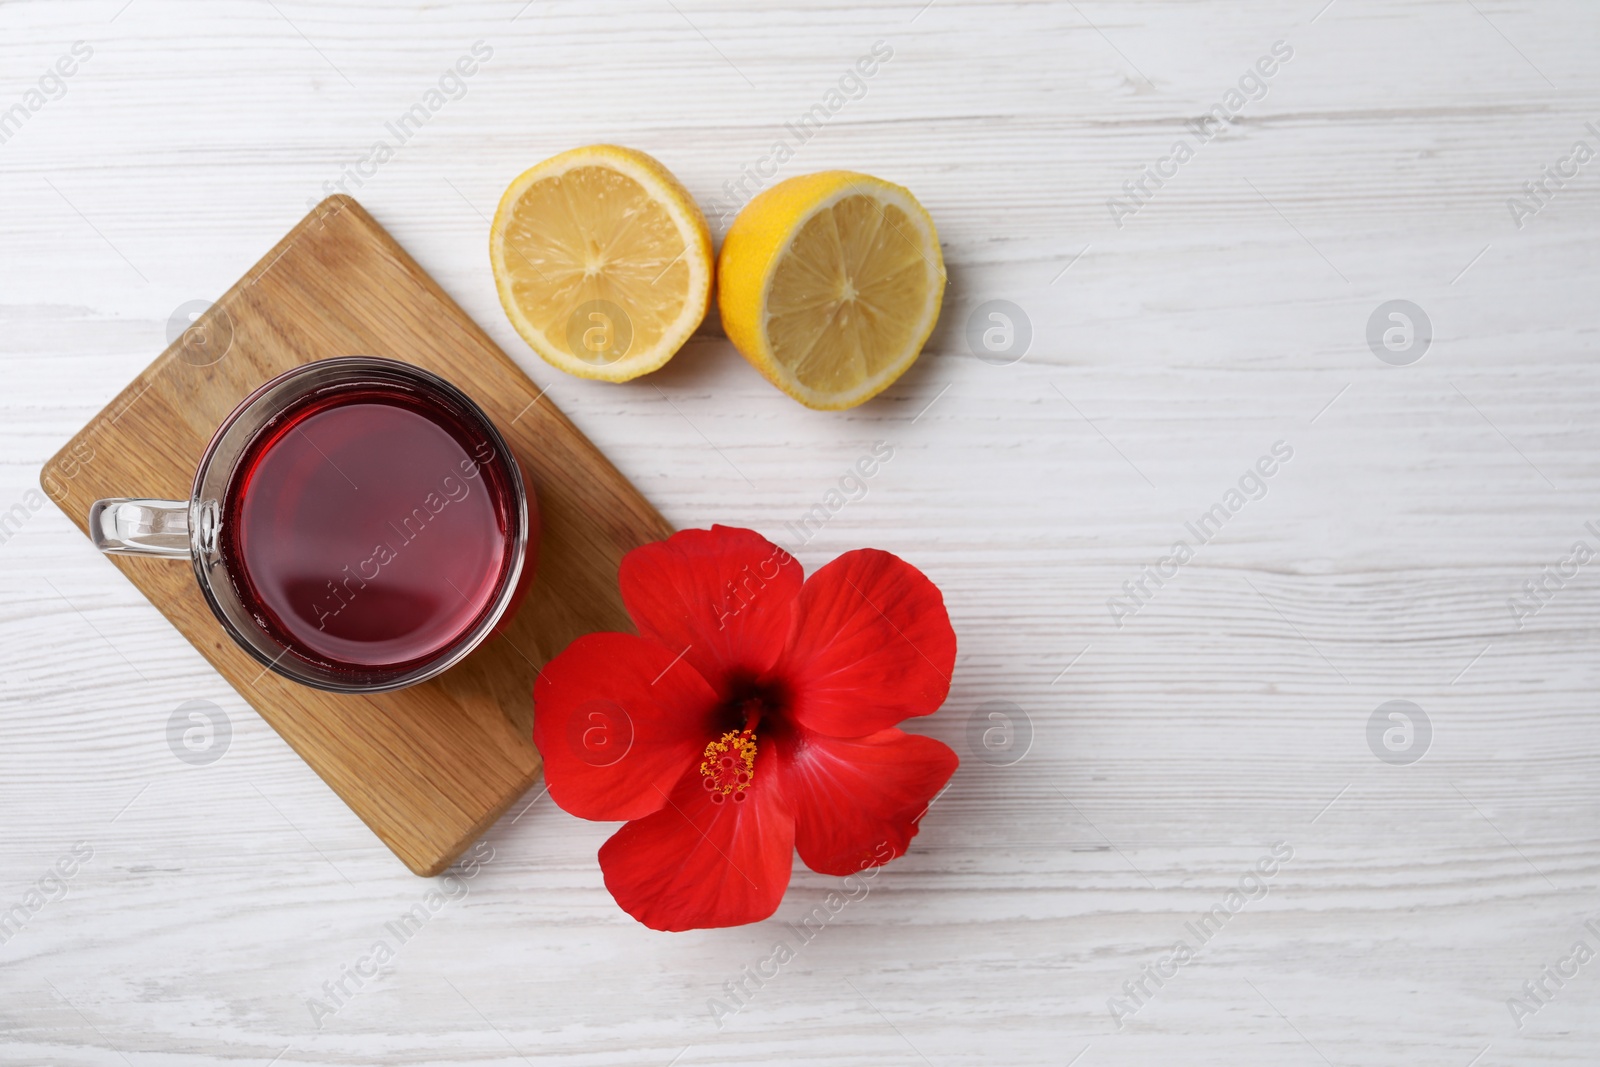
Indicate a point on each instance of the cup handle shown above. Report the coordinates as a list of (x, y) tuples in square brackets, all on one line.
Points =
[(129, 527)]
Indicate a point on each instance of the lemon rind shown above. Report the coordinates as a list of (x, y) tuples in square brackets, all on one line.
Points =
[(777, 372)]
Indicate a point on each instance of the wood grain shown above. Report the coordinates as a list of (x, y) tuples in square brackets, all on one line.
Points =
[(429, 767)]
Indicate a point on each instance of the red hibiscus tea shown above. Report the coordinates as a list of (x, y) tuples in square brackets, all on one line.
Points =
[(370, 527)]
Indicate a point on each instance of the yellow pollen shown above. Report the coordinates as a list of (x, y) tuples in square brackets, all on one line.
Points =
[(729, 765)]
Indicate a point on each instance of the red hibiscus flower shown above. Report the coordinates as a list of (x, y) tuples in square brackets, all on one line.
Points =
[(753, 716)]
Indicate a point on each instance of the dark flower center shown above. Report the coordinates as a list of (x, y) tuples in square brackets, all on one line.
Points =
[(751, 701), (728, 765)]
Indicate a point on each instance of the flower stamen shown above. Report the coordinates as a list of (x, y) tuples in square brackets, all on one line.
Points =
[(729, 765)]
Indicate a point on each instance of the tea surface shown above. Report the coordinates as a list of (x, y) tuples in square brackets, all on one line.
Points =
[(369, 529)]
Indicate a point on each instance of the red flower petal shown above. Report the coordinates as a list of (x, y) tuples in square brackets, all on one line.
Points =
[(872, 644), (856, 802), (723, 594), (696, 864), (618, 720)]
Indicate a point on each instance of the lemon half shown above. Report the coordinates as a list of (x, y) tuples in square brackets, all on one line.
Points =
[(602, 261), (829, 284)]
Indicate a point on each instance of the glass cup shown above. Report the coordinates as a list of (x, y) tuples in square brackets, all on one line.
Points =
[(195, 529)]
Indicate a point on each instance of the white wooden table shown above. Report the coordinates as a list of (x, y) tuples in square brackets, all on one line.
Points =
[(1158, 750)]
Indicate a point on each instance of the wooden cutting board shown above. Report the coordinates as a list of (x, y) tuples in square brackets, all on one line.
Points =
[(431, 767)]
